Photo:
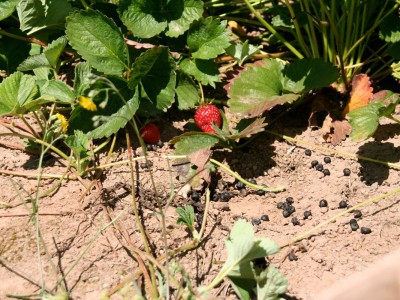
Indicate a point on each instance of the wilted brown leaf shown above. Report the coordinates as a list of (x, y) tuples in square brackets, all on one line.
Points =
[(200, 159), (335, 131), (361, 93)]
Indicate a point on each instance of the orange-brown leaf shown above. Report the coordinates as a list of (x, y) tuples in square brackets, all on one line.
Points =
[(361, 93)]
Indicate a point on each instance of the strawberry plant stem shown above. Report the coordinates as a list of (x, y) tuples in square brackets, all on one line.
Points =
[(38, 141), (238, 177), (35, 134), (35, 175), (17, 37)]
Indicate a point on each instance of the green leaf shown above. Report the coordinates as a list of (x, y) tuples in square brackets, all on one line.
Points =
[(54, 50), (204, 71), (16, 91), (261, 247), (243, 287), (387, 98), (83, 78), (242, 51), (258, 88), (271, 285), (186, 216), (364, 121), (155, 70), (239, 243), (208, 38), (49, 57), (79, 143), (148, 18), (98, 40), (186, 91), (118, 120), (111, 109), (182, 13), (57, 90), (243, 248), (306, 74), (254, 127), (36, 15), (12, 51), (7, 7), (395, 69), (42, 73), (34, 62), (191, 142), (390, 28), (9, 93), (143, 17)]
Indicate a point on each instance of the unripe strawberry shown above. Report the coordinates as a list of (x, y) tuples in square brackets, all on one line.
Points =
[(205, 116), (150, 133)]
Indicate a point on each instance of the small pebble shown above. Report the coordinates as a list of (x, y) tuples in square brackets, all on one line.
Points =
[(295, 221), (253, 181), (357, 213), (366, 230), (160, 144), (260, 192), (195, 196), (292, 256), (319, 167), (224, 197), (240, 185), (289, 200), (307, 214), (286, 213), (346, 172), (314, 163), (342, 204), (327, 160), (353, 224), (256, 221), (280, 205), (326, 172), (215, 197), (264, 218), (323, 203), (307, 152)]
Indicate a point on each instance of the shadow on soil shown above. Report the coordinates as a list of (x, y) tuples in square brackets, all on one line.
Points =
[(375, 173)]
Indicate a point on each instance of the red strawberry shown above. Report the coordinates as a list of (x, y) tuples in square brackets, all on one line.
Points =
[(150, 133), (205, 116)]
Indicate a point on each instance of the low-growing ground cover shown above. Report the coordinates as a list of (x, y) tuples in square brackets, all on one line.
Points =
[(71, 220)]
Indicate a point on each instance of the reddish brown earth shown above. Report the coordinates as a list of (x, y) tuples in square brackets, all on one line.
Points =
[(69, 220)]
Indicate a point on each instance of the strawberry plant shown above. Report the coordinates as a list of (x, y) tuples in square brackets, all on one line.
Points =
[(130, 63), (246, 267)]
